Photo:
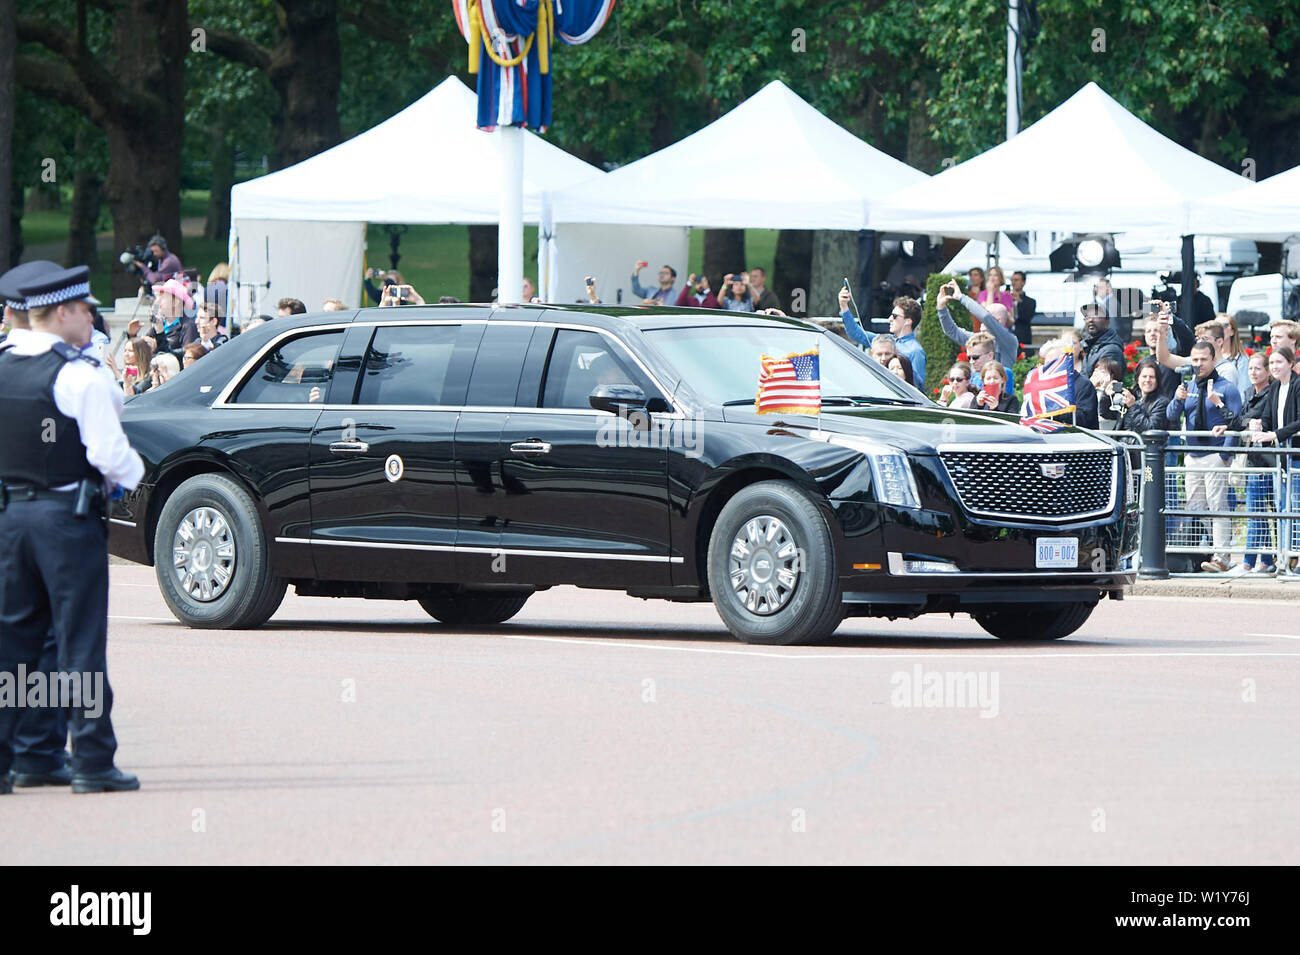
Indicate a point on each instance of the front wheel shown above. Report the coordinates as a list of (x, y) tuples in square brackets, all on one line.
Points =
[(772, 570), (212, 558), (1048, 622)]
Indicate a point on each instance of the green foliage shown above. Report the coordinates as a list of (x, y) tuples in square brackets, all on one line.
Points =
[(940, 350), (920, 81)]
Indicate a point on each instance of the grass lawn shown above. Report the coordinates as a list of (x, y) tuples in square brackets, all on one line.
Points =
[(434, 258)]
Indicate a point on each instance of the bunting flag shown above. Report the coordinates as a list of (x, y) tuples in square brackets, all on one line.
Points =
[(790, 385), (516, 37)]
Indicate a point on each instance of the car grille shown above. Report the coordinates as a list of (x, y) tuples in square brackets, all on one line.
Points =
[(1016, 485)]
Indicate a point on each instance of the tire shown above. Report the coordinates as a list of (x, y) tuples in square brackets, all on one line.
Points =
[(1051, 622), (809, 608), (214, 510), (474, 609)]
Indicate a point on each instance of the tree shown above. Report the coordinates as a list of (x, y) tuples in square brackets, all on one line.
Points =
[(131, 84), (301, 61), (8, 41)]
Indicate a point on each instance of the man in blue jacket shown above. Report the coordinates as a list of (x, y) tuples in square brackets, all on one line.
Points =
[(904, 317), (1202, 404)]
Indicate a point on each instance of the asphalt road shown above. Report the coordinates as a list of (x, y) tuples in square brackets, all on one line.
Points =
[(598, 728)]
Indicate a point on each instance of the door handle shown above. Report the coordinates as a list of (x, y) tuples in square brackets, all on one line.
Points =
[(531, 447), (349, 447)]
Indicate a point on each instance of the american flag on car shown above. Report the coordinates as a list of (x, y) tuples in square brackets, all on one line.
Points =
[(790, 385)]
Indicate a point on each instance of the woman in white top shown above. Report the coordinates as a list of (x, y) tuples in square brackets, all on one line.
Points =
[(958, 393)]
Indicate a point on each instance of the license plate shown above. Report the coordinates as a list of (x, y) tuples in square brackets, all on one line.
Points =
[(1057, 552)]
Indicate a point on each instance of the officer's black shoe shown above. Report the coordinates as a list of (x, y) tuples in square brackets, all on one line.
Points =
[(55, 777), (6, 785), (108, 780)]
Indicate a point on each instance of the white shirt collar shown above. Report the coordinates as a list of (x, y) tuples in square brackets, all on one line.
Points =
[(35, 343)]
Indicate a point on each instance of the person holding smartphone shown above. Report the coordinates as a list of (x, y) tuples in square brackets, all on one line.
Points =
[(396, 294), (995, 393), (697, 293), (996, 322)]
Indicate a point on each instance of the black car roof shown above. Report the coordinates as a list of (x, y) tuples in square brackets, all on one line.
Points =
[(612, 317)]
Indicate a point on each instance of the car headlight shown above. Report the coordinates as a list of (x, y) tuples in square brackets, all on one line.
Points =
[(891, 471), (894, 481)]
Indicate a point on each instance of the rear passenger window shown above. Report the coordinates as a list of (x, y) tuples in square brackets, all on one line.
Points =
[(497, 366), (296, 371), (408, 365), (579, 362)]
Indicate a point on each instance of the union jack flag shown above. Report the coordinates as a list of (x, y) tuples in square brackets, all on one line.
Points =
[(790, 385), (1049, 389), (1042, 425)]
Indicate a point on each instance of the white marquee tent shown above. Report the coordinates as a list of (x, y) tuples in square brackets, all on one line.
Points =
[(303, 228), (1088, 166), (1268, 211), (773, 162)]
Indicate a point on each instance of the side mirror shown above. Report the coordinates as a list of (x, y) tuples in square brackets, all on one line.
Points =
[(618, 399)]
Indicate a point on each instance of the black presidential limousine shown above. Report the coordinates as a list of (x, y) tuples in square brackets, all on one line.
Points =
[(466, 456)]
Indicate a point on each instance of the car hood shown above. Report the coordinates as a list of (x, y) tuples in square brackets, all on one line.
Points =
[(920, 430)]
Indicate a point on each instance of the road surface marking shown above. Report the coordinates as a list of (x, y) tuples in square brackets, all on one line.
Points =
[(904, 654)]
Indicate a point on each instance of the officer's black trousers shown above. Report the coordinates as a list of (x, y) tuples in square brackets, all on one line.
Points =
[(42, 734), (54, 576)]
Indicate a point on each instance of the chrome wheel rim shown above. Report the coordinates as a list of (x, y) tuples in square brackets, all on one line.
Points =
[(764, 565), (203, 554)]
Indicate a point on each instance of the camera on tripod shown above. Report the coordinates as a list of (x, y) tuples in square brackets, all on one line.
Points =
[(136, 257)]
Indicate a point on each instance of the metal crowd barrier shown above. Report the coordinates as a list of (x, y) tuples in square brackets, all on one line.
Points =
[(1261, 512)]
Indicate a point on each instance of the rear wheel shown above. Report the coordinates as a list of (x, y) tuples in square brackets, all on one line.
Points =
[(772, 570), (1049, 622), (474, 609), (212, 558)]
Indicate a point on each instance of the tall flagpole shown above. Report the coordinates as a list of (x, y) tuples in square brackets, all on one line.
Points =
[(510, 234)]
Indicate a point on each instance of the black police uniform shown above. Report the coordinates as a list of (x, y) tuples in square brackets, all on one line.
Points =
[(40, 739), (54, 549)]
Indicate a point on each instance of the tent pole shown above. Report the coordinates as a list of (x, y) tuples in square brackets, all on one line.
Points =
[(510, 231)]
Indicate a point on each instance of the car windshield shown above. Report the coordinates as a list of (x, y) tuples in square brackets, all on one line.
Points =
[(722, 362)]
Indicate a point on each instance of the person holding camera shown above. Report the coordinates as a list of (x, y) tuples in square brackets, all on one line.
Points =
[(697, 293), (395, 295), (996, 322), (666, 294), (1108, 380), (374, 292), (1145, 409), (738, 297), (159, 267)]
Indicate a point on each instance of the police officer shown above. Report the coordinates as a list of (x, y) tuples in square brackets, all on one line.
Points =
[(15, 305), (40, 756), (61, 445)]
